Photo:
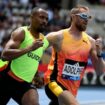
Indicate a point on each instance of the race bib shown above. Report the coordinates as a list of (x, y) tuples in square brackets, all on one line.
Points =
[(72, 70)]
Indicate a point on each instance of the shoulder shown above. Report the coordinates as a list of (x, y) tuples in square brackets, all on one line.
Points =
[(18, 33), (91, 39), (55, 35), (92, 42)]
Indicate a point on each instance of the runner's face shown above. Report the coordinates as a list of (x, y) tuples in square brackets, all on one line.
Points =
[(82, 20), (81, 24), (40, 20)]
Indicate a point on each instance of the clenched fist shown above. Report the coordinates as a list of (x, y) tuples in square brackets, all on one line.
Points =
[(99, 45), (36, 44)]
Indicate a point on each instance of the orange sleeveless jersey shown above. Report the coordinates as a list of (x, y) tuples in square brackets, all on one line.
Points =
[(71, 61)]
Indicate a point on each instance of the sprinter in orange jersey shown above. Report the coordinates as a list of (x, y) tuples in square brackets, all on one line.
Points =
[(71, 49)]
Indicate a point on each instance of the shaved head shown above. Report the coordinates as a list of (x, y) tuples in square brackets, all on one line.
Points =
[(37, 10)]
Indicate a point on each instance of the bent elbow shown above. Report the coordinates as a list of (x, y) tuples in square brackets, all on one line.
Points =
[(3, 58)]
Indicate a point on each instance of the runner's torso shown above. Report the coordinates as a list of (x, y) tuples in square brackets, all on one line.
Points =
[(72, 60), (26, 65)]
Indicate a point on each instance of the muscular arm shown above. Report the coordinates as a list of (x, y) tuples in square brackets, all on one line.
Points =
[(12, 50), (97, 62)]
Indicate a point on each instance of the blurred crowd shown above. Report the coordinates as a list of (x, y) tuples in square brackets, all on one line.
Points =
[(101, 2)]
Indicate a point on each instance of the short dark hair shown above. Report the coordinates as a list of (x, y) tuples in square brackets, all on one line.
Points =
[(76, 9), (35, 10)]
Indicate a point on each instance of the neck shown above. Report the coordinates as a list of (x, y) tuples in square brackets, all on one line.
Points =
[(74, 31), (76, 34), (33, 32)]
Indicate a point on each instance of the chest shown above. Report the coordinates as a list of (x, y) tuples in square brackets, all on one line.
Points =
[(71, 47)]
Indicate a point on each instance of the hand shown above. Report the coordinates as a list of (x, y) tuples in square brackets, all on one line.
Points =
[(99, 45), (38, 80), (36, 44)]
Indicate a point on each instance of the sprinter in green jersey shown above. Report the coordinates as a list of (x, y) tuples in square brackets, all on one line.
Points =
[(24, 50)]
